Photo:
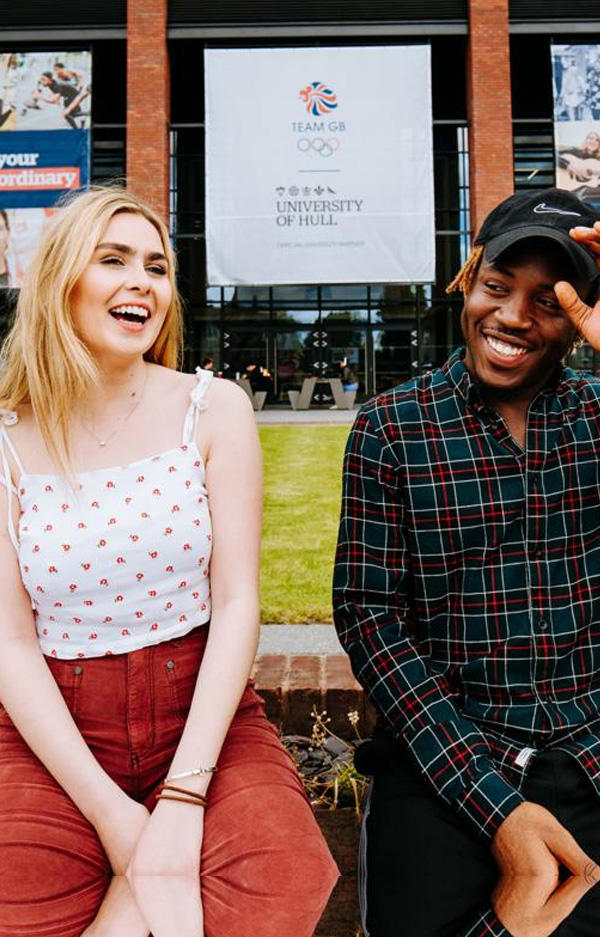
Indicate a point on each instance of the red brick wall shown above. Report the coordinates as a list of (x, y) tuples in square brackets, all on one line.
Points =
[(489, 107), (148, 102)]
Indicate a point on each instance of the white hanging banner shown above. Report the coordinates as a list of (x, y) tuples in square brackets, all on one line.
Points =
[(319, 165)]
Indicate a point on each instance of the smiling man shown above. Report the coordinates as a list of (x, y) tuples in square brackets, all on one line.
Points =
[(467, 594)]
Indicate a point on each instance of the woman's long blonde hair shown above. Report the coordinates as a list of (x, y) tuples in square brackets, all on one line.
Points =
[(43, 362)]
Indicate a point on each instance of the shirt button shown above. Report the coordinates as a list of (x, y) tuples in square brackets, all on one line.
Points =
[(170, 664), (536, 551), (543, 624), (77, 670)]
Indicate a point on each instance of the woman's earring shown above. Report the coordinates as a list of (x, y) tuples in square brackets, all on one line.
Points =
[(578, 343)]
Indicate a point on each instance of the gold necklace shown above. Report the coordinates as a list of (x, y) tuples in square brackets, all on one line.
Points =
[(106, 439)]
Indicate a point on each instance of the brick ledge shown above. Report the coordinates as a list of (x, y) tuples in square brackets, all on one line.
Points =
[(292, 684)]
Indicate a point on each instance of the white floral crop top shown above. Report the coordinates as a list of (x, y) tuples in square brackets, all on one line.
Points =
[(123, 561)]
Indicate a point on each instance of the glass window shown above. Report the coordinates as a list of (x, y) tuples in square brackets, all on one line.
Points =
[(394, 358), (533, 155), (109, 62), (297, 356), (397, 303), (202, 340), (108, 154), (244, 351), (191, 266), (251, 303)]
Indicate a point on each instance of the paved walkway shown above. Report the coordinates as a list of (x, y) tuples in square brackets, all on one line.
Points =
[(298, 639), (281, 415)]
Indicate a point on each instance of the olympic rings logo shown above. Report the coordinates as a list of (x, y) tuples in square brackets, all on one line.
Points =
[(319, 145)]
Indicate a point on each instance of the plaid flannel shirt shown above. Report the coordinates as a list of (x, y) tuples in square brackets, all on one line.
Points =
[(467, 584)]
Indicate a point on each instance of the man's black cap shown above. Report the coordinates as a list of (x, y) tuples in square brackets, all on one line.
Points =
[(546, 213)]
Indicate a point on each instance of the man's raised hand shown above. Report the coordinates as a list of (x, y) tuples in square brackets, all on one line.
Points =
[(586, 319)]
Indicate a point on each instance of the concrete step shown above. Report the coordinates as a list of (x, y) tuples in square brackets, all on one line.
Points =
[(299, 639)]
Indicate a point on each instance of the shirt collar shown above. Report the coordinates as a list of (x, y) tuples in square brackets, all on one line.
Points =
[(459, 377), (469, 389)]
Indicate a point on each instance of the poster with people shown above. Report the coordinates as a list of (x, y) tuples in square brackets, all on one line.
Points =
[(576, 87), (45, 115), (20, 230)]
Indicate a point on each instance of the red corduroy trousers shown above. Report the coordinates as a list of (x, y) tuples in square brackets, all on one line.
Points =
[(266, 870)]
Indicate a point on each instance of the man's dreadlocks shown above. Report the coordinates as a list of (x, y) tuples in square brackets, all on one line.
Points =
[(466, 275)]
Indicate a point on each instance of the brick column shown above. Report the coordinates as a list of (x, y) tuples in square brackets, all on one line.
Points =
[(148, 102), (489, 107)]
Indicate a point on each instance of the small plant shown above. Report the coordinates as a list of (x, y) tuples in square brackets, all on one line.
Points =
[(326, 764)]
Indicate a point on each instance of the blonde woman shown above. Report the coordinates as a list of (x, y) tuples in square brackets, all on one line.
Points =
[(133, 751)]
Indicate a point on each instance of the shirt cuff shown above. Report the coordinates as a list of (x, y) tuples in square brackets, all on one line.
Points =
[(487, 801), (455, 759)]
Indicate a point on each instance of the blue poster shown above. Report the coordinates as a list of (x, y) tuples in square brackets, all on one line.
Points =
[(38, 166)]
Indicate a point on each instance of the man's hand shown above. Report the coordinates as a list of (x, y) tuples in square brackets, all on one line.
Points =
[(529, 848), (585, 318)]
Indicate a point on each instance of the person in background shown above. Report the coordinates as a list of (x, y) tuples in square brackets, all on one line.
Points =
[(251, 374), (69, 75), (75, 77), (208, 363), (61, 93), (347, 375), (573, 89), (583, 163)]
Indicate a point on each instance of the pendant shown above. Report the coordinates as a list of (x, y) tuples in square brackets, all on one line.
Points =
[(101, 442)]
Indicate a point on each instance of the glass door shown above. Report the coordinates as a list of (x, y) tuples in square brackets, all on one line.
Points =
[(394, 358), (247, 354), (297, 354), (347, 359)]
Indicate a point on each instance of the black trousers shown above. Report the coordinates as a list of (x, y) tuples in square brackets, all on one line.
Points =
[(425, 873)]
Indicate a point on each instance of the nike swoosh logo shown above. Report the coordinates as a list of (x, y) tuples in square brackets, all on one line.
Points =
[(543, 209)]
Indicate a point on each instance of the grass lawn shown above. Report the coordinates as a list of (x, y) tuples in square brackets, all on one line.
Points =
[(303, 474)]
